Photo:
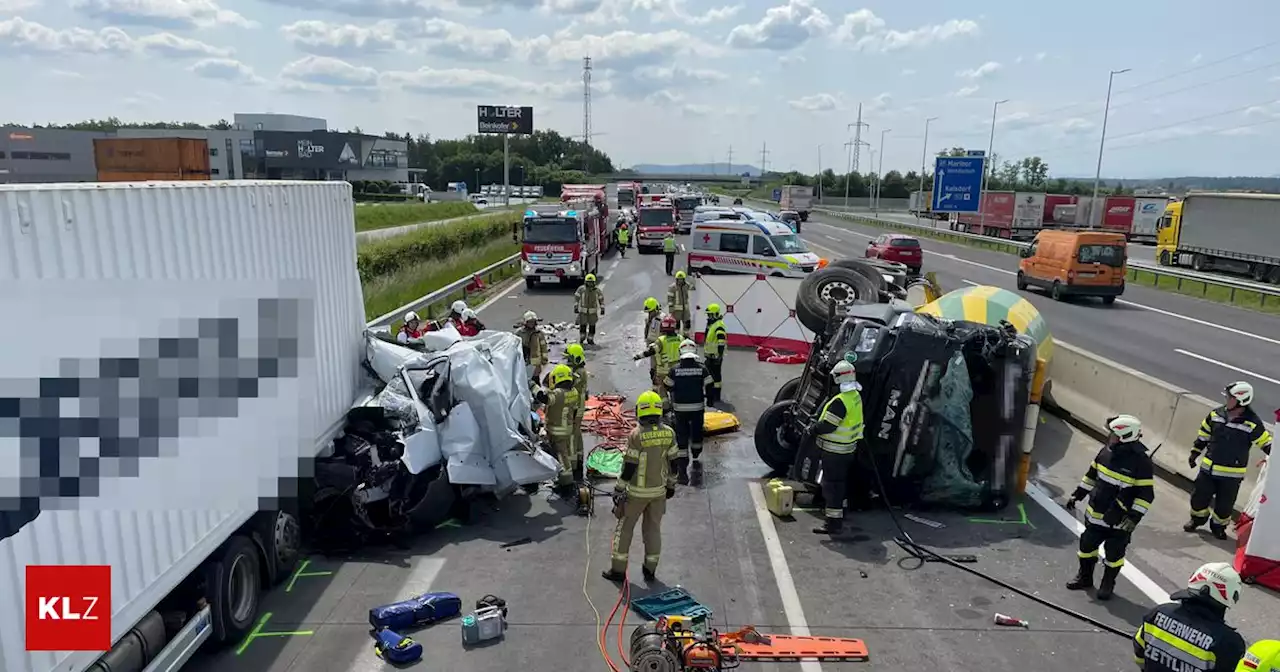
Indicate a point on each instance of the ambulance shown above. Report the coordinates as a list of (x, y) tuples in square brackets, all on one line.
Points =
[(749, 246)]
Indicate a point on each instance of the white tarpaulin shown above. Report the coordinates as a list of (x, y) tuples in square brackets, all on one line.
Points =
[(758, 311)]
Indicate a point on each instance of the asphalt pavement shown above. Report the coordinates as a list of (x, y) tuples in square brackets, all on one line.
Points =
[(744, 564)]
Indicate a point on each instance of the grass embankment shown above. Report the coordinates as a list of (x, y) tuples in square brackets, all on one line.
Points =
[(395, 271), (372, 216)]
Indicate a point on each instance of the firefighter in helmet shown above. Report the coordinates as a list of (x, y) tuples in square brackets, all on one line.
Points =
[(665, 351), (1221, 450), (588, 304), (642, 490), (839, 429)]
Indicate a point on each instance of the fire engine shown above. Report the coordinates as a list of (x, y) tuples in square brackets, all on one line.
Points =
[(562, 243), (656, 219)]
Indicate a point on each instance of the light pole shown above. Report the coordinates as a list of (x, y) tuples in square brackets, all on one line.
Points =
[(880, 170), (819, 171), (871, 191), (986, 167), (1097, 177), (924, 155), (477, 180)]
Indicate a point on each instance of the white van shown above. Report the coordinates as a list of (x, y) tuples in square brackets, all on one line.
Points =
[(749, 246)]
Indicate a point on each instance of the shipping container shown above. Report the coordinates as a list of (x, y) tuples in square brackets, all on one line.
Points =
[(110, 176), (251, 288), (1239, 233), (995, 215), (180, 156), (1117, 214), (1051, 205), (1028, 214), (1146, 218)]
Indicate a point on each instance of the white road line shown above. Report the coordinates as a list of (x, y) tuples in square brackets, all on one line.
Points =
[(1135, 576), (781, 572), (1225, 365), (501, 294), (831, 238), (852, 233)]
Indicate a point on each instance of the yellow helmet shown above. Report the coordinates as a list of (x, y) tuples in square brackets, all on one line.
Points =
[(651, 304), (680, 275), (561, 374), (648, 404), (591, 277), (713, 309), (575, 353), (1263, 656)]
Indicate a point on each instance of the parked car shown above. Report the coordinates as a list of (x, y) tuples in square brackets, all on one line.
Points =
[(792, 219), (897, 247)]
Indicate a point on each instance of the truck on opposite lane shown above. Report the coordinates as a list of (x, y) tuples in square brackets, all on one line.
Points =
[(1236, 233), (797, 198)]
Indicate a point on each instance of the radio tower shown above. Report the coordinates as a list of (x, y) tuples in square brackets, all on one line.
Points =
[(857, 140), (586, 114)]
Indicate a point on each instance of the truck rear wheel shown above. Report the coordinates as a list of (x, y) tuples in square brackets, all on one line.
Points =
[(842, 287), (233, 587), (530, 283), (775, 439), (788, 390)]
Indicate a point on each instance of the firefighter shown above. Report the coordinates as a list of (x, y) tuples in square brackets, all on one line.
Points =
[(652, 328), (533, 344), (646, 483), (1120, 485), (624, 239), (470, 325), (1263, 656), (1191, 633), (455, 316), (713, 349), (669, 248), (837, 434), (1225, 438), (411, 330), (588, 305), (577, 359), (689, 383), (665, 351), (678, 301), (562, 409)]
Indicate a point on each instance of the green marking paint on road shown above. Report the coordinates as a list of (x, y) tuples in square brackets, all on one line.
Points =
[(257, 633), (1022, 520), (301, 572), (452, 522)]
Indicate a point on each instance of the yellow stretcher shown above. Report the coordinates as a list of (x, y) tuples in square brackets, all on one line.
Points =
[(719, 422)]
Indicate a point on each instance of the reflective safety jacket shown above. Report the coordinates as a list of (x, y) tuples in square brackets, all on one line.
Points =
[(533, 344), (1262, 656), (652, 324), (562, 411), (1187, 636), (840, 425), (690, 383), (716, 341), (590, 300), (647, 470), (580, 386), (678, 297), (624, 236), (665, 352), (1120, 483), (1229, 441), (668, 245), (406, 334)]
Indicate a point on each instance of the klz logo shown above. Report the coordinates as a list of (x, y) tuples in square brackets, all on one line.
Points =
[(68, 607)]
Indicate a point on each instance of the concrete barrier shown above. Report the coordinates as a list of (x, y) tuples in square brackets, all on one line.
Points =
[(1090, 388)]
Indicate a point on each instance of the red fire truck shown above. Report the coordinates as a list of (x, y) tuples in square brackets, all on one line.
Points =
[(656, 217), (562, 243)]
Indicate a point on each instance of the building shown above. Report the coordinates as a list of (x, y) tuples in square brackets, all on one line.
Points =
[(225, 159), (323, 155), (47, 155), (278, 122)]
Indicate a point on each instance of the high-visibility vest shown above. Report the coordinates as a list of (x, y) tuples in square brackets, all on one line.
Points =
[(668, 353), (848, 432), (668, 245), (623, 236), (561, 411), (716, 338)]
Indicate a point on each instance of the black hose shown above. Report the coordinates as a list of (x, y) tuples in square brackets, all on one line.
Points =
[(926, 554)]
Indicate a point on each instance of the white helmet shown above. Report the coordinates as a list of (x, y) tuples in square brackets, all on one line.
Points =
[(1126, 427), (1217, 581), (468, 314), (1241, 391), (843, 372), (530, 316), (688, 349), (458, 306), (411, 316)]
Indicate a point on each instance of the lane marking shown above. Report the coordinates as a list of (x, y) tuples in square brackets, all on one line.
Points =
[(829, 237), (1225, 365), (781, 573), (501, 294), (1141, 581)]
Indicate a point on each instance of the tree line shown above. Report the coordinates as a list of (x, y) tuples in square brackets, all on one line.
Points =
[(545, 158)]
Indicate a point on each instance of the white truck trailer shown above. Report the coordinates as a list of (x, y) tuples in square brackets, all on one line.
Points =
[(190, 342), (798, 199)]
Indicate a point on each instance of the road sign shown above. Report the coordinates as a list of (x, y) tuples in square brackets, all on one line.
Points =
[(777, 195), (975, 152), (957, 183)]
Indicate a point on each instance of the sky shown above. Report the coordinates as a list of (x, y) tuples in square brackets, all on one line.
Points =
[(688, 81)]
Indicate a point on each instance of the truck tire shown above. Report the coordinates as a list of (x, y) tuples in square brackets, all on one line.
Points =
[(833, 284), (233, 588), (531, 283), (788, 390), (436, 498), (867, 270), (775, 439), (279, 536)]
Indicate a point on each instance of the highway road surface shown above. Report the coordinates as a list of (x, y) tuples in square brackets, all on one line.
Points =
[(748, 567)]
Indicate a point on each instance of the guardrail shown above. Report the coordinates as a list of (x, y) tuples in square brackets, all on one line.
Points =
[(458, 289)]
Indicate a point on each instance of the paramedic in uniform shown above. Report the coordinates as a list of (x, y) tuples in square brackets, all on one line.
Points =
[(1191, 633), (690, 384), (713, 349), (837, 434), (678, 302), (1226, 437), (665, 351), (1120, 485), (642, 490)]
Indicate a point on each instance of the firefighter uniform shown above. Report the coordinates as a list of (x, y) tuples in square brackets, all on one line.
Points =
[(713, 349), (1120, 485), (1226, 438), (1263, 656), (588, 303), (652, 328), (689, 383), (665, 352), (578, 363), (1191, 633), (669, 248), (678, 302), (624, 240), (533, 345), (561, 416), (840, 428), (642, 490)]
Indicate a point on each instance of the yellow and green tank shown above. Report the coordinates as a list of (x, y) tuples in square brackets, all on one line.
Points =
[(989, 305)]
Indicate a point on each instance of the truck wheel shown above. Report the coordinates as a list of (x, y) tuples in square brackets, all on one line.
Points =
[(233, 588), (866, 270), (436, 499), (775, 439), (842, 287), (788, 390), (279, 535), (530, 283), (1260, 272), (1198, 262), (1165, 258)]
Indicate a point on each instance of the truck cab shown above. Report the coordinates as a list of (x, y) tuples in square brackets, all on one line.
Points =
[(655, 218), (685, 205), (555, 246)]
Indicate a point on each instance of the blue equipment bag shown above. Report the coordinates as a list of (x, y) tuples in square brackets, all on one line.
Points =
[(395, 648), (416, 612)]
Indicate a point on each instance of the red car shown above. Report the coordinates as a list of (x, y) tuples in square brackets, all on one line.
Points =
[(897, 247)]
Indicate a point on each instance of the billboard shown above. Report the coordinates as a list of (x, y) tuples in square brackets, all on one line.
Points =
[(314, 149), (504, 119)]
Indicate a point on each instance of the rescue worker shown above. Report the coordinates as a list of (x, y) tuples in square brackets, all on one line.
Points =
[(1263, 656), (646, 483), (665, 351), (713, 349), (561, 411), (652, 327), (470, 325), (588, 305), (1120, 485), (624, 239), (456, 310), (689, 383), (669, 249), (577, 359), (533, 344), (1191, 632), (1225, 438), (678, 301), (411, 330), (839, 429)]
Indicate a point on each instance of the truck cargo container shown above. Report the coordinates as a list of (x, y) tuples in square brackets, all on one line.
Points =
[(173, 156), (251, 288), (1051, 204), (1028, 215), (798, 199), (920, 204), (1117, 214), (1238, 233), (1147, 212), (998, 208)]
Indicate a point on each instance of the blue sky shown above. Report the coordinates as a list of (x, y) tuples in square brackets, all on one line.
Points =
[(683, 81)]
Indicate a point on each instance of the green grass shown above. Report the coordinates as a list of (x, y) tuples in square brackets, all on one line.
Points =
[(373, 216), (441, 242), (388, 292)]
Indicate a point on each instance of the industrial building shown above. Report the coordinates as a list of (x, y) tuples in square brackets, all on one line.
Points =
[(258, 146)]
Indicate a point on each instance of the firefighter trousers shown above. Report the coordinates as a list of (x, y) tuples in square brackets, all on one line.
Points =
[(689, 434), (587, 325), (652, 510), (716, 366), (563, 447), (1113, 541), (834, 481), (671, 261), (1214, 499), (681, 317), (578, 450)]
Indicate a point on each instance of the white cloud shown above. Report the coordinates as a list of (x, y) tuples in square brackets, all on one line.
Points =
[(661, 11), (15, 6), (819, 102), (648, 80), (1238, 131), (20, 36), (169, 14), (1040, 56), (321, 73), (755, 81), (1018, 60), (790, 59), (227, 69), (619, 50), (332, 39), (458, 83), (865, 31), (880, 103), (907, 72), (66, 74), (1076, 126), (988, 68), (1197, 58), (965, 91), (466, 43), (783, 28)]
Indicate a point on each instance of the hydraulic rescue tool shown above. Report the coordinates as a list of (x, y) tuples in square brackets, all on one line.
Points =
[(678, 644)]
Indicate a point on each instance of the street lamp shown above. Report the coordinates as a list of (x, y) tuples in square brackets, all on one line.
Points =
[(880, 170), (848, 170), (924, 154), (819, 172), (1097, 177), (987, 168)]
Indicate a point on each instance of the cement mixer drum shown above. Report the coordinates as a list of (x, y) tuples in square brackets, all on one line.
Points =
[(989, 305)]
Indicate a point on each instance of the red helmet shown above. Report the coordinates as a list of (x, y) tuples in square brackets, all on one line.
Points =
[(668, 324)]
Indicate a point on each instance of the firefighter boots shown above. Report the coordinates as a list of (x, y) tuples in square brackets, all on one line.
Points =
[(695, 472), (1108, 585), (1084, 578)]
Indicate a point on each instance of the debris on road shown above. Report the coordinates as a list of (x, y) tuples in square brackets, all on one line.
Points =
[(1010, 621)]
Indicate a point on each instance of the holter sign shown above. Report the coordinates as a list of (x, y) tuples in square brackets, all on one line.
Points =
[(504, 119)]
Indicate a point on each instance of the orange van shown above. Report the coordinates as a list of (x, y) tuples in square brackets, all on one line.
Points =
[(1075, 263)]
